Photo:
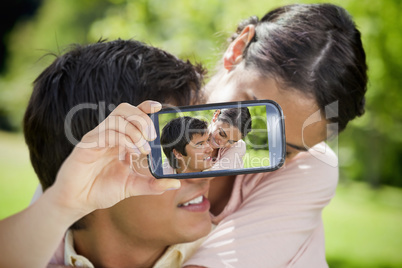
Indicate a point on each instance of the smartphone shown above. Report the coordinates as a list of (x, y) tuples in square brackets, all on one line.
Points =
[(218, 139)]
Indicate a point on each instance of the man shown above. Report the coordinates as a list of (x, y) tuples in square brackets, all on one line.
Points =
[(70, 102), (185, 143)]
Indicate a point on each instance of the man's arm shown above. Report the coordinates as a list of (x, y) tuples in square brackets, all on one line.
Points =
[(89, 179), (29, 238)]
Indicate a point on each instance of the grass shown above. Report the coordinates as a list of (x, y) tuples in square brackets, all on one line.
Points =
[(17, 178), (363, 226)]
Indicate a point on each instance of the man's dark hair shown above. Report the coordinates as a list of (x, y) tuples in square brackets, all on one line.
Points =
[(178, 133), (237, 117), (104, 74)]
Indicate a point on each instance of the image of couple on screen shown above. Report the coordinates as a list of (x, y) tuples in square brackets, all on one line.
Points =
[(191, 145)]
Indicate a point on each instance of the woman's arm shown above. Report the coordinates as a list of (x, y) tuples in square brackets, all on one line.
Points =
[(278, 222)]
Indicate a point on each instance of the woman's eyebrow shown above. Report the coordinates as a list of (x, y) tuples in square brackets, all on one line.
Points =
[(300, 148)]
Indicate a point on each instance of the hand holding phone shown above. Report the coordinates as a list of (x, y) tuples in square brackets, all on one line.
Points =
[(99, 174)]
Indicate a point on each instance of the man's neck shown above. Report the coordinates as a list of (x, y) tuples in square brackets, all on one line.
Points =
[(220, 192), (113, 249)]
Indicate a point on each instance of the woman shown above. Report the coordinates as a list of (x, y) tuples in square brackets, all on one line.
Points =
[(309, 59), (227, 130)]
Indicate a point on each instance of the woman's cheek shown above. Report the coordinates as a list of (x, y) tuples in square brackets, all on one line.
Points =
[(228, 145)]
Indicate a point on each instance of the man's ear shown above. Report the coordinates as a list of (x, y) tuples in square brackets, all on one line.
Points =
[(233, 54), (177, 154)]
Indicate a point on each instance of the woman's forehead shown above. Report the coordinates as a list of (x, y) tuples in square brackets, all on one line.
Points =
[(231, 131), (224, 125)]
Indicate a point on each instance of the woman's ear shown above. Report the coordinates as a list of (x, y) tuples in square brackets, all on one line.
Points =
[(215, 116), (233, 54)]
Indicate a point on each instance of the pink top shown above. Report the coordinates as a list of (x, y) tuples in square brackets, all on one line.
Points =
[(230, 158), (274, 219)]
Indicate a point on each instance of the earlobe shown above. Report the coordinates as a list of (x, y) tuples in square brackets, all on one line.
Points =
[(233, 54), (177, 154)]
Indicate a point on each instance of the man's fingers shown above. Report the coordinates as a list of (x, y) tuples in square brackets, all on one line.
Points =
[(116, 126), (136, 139), (138, 116), (150, 107), (131, 115), (114, 138), (165, 184)]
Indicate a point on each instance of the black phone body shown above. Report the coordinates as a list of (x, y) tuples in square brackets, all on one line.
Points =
[(268, 128)]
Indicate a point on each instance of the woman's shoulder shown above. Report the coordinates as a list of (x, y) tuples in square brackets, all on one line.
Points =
[(315, 169), (239, 147), (241, 144)]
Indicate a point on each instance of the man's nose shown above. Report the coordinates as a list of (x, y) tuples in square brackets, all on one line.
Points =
[(208, 147)]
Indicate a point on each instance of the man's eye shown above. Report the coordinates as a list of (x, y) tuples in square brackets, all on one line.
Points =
[(230, 141)]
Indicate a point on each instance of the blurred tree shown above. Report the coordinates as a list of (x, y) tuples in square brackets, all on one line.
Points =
[(56, 24), (371, 147), (10, 13), (258, 137)]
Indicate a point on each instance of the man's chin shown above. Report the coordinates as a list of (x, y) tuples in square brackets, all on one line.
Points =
[(201, 232), (208, 166)]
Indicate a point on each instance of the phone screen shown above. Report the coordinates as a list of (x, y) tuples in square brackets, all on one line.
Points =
[(217, 140)]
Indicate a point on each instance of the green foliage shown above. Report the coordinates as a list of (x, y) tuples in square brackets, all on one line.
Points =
[(369, 150), (205, 115), (256, 158), (258, 137), (373, 143)]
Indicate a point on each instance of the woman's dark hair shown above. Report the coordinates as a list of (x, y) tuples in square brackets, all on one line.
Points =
[(237, 117), (102, 76), (315, 49)]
